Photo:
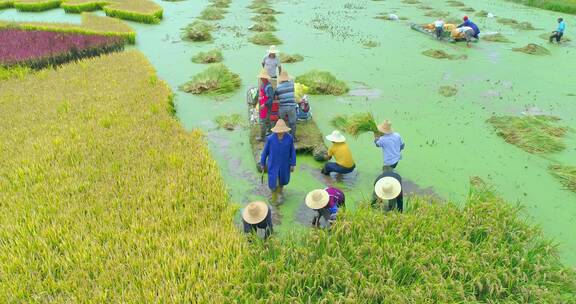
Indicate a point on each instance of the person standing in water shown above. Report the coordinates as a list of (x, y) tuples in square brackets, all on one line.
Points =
[(257, 215), (271, 62), (439, 28), (559, 32), (391, 144), (279, 157)]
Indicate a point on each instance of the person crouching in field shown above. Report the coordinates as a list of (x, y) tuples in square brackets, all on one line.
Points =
[(388, 187), (265, 99), (341, 152), (279, 157), (257, 215), (326, 203)]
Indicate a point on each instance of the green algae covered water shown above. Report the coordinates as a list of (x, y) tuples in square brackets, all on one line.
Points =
[(447, 139)]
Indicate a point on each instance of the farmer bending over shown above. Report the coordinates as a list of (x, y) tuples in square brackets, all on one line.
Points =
[(339, 150), (391, 144), (279, 156), (257, 215), (559, 32), (285, 94), (271, 62), (469, 23), (388, 186), (266, 97), (326, 203)]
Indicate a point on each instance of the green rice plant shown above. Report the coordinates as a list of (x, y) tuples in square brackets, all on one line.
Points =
[(533, 49), (6, 4), (565, 174), (565, 6), (198, 31), (36, 5), (290, 58), (425, 7), (217, 79), (145, 11), (105, 197), (78, 6), (212, 56), (322, 83), (440, 54), (534, 134), (14, 72), (482, 13), (355, 124), (265, 38), (212, 13), (221, 3), (483, 252), (497, 37), (448, 91), (262, 27), (228, 122), (91, 24), (264, 18)]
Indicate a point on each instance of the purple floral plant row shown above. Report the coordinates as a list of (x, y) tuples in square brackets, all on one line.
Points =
[(38, 49)]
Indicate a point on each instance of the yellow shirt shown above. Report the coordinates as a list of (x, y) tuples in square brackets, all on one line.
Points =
[(342, 154)]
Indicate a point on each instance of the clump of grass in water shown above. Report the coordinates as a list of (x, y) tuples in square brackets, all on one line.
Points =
[(217, 79), (212, 13), (533, 49), (370, 44), (527, 26), (411, 1), (221, 3), (565, 174), (198, 31), (448, 91), (287, 58), (455, 3), (468, 9), (482, 13), (546, 36), (262, 27), (264, 18), (228, 122), (425, 7), (440, 54), (212, 56), (322, 83), (437, 14), (497, 37), (265, 38), (355, 124), (266, 11), (256, 4), (533, 134)]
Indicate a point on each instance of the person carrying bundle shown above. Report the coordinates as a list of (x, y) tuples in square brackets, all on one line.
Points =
[(265, 100), (391, 144), (287, 103), (326, 203), (257, 215)]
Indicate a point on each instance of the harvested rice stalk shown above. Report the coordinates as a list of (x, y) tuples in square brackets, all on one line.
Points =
[(440, 54), (497, 37), (565, 174), (212, 13), (482, 13), (322, 83), (455, 3), (264, 18), (228, 122), (287, 58), (448, 91), (262, 27), (217, 79), (533, 49), (355, 124), (265, 38), (198, 31), (212, 56)]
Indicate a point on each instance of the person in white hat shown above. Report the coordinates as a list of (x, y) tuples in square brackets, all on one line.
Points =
[(391, 144), (257, 215), (279, 157), (326, 202), (271, 62), (388, 187), (341, 152)]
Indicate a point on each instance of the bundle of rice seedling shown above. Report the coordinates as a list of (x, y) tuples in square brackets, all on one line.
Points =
[(482, 13), (507, 21), (215, 80), (455, 3), (212, 13), (526, 26), (448, 91), (565, 174), (533, 49), (264, 18), (198, 31), (411, 1), (265, 38), (221, 3), (228, 122), (256, 4), (355, 124), (437, 14), (287, 58), (211, 56), (533, 134), (440, 54), (266, 11), (322, 83), (262, 27), (468, 9), (497, 37)]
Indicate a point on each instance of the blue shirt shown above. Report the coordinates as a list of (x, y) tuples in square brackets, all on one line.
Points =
[(391, 145), (561, 27), (472, 25)]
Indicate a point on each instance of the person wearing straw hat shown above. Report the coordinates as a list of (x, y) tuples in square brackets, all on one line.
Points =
[(257, 215), (388, 186), (326, 202), (341, 152), (391, 144), (271, 62), (285, 94), (265, 99), (279, 157)]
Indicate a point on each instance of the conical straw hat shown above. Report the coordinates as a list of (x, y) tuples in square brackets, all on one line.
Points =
[(280, 127), (385, 127), (336, 137), (255, 212), (317, 199), (283, 76), (387, 188), (263, 74)]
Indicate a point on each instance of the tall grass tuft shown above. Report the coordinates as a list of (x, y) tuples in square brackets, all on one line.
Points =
[(217, 79), (212, 56), (265, 38), (198, 31), (212, 13), (262, 27), (322, 83), (534, 134)]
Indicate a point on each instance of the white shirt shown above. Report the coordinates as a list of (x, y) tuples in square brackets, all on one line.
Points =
[(439, 23), (393, 17), (464, 29)]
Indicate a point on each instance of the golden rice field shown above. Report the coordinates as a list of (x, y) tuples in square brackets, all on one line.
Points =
[(106, 199)]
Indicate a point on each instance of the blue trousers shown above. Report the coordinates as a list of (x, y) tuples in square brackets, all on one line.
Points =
[(334, 167)]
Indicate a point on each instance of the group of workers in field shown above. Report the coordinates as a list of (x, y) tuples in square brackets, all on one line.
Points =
[(277, 108)]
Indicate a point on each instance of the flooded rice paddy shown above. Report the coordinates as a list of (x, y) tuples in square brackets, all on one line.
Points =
[(447, 138)]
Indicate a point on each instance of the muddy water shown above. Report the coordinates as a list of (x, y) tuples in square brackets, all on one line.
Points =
[(447, 140)]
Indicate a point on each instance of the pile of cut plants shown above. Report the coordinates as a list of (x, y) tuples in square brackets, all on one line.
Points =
[(212, 56), (229, 122), (290, 58), (198, 31), (217, 79), (448, 91), (355, 124), (496, 37), (440, 54), (264, 26), (322, 83), (533, 49), (565, 174)]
